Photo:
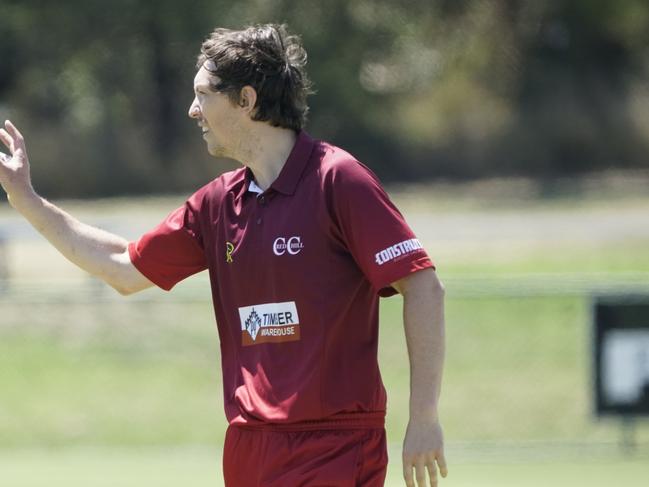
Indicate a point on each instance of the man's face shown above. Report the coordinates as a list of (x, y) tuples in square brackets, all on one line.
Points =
[(217, 116)]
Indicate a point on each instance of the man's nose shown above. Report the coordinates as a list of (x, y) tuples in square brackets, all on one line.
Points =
[(194, 111)]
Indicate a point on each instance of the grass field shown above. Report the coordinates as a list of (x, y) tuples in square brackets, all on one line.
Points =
[(200, 467), (97, 390)]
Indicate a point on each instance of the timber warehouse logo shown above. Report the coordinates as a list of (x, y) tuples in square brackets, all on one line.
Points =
[(269, 323)]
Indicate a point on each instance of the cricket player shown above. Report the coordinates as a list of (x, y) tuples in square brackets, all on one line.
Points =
[(300, 243)]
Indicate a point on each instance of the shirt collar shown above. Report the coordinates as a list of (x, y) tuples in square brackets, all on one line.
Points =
[(253, 188), (293, 168)]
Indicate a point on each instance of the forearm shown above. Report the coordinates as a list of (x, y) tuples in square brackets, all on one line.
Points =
[(96, 251), (423, 313), (425, 336)]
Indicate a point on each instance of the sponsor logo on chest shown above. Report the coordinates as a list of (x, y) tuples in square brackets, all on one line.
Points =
[(269, 322), (290, 246)]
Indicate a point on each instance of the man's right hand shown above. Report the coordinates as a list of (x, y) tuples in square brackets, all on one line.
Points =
[(14, 168)]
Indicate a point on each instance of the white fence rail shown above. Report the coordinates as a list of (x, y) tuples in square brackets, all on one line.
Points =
[(469, 286)]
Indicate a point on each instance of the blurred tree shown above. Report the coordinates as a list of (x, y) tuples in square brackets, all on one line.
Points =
[(573, 97), (417, 89)]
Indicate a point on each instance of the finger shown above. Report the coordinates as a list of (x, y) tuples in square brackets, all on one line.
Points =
[(18, 141), (407, 474), (432, 473), (11, 128), (7, 140), (441, 461), (420, 473)]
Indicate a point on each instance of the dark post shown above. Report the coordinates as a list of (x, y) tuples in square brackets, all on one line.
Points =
[(621, 365)]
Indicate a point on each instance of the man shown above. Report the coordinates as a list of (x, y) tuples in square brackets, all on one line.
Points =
[(299, 243)]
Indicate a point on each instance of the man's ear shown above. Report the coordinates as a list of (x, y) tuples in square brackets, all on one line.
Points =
[(247, 98)]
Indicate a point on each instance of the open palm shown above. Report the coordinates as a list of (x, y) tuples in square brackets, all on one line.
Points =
[(14, 167)]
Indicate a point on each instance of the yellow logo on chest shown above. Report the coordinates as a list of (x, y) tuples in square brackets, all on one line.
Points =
[(229, 248)]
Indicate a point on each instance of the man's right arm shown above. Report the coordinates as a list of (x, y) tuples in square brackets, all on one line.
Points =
[(96, 251)]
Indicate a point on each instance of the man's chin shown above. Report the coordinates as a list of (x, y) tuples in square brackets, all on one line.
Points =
[(214, 151)]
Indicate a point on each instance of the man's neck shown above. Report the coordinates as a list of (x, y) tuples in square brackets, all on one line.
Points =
[(266, 153)]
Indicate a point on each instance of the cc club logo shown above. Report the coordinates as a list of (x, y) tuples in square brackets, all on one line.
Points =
[(291, 246)]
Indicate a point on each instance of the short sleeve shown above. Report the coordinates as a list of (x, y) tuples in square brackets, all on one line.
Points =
[(373, 230), (173, 250)]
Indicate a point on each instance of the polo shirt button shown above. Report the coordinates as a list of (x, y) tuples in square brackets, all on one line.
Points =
[(262, 200), (258, 221)]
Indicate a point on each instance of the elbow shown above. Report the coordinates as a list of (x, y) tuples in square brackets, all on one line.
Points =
[(122, 289), (125, 287), (123, 277), (125, 292)]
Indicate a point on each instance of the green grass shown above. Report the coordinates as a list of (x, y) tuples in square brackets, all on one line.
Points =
[(149, 374), (96, 390), (201, 467), (116, 393), (621, 257), (148, 378)]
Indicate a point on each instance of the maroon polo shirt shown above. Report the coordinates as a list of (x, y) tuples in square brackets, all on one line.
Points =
[(296, 274)]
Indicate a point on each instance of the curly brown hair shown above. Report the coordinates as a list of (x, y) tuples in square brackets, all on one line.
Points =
[(267, 58)]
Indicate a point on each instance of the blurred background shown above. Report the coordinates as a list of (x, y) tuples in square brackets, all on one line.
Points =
[(513, 135)]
